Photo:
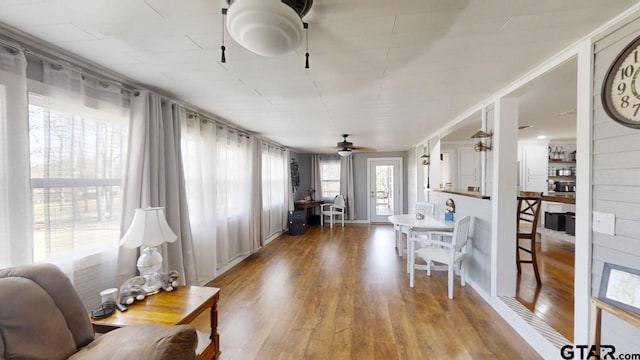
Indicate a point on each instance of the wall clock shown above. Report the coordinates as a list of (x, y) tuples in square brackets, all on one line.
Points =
[(621, 87)]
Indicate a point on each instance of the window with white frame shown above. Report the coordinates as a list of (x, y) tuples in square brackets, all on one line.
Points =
[(274, 188), (330, 177), (77, 158)]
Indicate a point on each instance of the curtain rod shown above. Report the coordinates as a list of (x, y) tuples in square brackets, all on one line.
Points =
[(204, 118), (46, 52), (64, 63)]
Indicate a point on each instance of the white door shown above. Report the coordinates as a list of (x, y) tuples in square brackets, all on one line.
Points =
[(385, 188), (535, 163), (468, 168)]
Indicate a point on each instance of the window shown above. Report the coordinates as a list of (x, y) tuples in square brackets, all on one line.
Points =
[(330, 176), (77, 156), (274, 190)]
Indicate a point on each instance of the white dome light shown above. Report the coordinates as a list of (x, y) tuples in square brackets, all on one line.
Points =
[(265, 27)]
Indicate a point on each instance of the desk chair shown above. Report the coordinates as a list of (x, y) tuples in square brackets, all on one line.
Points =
[(336, 209), (528, 212)]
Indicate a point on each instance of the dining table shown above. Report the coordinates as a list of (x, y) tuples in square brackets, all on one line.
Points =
[(410, 221)]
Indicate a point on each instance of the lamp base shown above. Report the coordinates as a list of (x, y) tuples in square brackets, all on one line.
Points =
[(149, 263)]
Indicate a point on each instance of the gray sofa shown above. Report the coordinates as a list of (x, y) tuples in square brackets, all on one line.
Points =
[(42, 317)]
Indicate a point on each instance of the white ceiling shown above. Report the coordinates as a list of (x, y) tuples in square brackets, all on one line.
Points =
[(386, 72), (547, 105)]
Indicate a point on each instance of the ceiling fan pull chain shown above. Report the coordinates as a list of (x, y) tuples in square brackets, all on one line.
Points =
[(306, 31), (223, 58)]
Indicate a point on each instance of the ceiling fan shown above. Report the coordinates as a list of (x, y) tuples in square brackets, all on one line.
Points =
[(345, 147), (267, 27)]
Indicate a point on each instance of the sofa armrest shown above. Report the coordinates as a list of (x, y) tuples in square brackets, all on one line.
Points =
[(155, 342)]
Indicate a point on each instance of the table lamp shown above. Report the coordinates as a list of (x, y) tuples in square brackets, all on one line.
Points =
[(149, 229)]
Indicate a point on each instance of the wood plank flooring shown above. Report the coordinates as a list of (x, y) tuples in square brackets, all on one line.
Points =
[(344, 293), (553, 301)]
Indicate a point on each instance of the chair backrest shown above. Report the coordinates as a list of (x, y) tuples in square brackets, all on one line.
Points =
[(426, 208), (42, 316), (529, 211), (338, 201), (461, 233)]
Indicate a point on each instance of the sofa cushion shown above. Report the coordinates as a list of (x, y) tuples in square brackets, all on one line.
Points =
[(151, 342), (32, 326)]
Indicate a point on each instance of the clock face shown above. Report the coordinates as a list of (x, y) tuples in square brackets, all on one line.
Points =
[(621, 87)]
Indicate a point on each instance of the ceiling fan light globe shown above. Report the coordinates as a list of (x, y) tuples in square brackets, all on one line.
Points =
[(265, 27), (344, 152)]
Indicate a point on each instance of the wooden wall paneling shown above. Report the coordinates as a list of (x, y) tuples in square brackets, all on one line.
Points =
[(618, 242), (617, 193), (620, 177), (616, 185), (614, 161)]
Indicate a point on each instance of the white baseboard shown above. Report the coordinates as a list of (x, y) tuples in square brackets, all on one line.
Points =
[(356, 221)]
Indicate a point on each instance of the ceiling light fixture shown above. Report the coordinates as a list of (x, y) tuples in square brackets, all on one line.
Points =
[(484, 143), (267, 27), (425, 157), (344, 152), (541, 137)]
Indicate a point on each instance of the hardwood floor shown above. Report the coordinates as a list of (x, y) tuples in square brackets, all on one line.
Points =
[(344, 293), (553, 300)]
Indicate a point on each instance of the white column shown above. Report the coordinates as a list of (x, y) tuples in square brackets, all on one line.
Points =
[(503, 198), (582, 284)]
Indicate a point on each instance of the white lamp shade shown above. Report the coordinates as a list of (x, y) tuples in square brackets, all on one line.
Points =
[(344, 152), (149, 228), (265, 27)]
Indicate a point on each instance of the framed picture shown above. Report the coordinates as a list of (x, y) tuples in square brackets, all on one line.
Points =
[(620, 286)]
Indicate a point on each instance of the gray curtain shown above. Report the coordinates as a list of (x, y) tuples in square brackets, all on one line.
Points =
[(154, 177), (346, 185), (316, 180)]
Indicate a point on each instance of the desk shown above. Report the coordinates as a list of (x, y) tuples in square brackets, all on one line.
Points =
[(307, 206), (181, 306), (429, 223)]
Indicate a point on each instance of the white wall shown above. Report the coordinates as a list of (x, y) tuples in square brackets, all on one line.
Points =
[(616, 187), (479, 262)]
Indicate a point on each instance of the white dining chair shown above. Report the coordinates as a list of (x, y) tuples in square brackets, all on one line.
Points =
[(452, 254), (336, 209), (427, 209)]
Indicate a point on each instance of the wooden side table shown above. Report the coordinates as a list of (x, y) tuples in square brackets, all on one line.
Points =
[(181, 306), (597, 306)]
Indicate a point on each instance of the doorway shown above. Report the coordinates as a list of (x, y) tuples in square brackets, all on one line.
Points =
[(546, 159), (385, 188)]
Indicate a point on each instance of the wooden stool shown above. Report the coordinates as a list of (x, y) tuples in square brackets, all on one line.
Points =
[(528, 211)]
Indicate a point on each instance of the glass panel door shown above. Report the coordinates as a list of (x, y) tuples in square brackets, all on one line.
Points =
[(384, 190), (385, 186)]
